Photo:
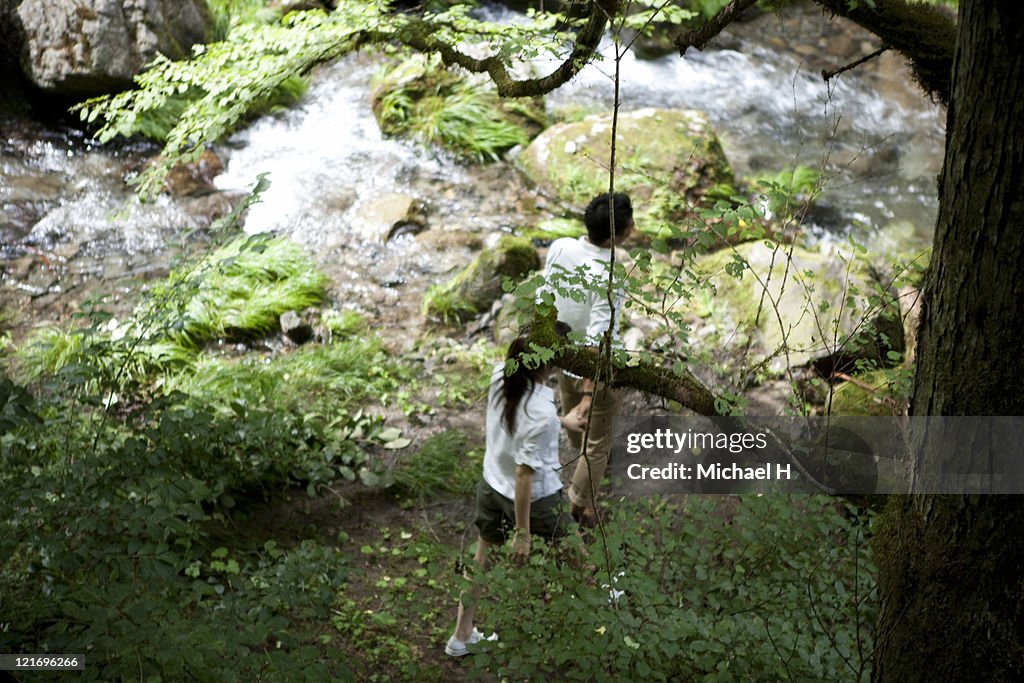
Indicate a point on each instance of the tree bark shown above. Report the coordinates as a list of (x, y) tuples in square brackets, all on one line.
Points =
[(951, 568)]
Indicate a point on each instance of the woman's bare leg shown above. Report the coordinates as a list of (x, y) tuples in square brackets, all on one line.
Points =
[(464, 620)]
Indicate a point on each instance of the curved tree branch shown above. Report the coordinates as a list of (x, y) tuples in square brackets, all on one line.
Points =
[(420, 35), (651, 379), (922, 33)]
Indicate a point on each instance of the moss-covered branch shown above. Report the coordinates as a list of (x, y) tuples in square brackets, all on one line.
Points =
[(649, 378), (922, 33)]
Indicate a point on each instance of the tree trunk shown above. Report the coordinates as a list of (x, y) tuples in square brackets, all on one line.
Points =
[(951, 568)]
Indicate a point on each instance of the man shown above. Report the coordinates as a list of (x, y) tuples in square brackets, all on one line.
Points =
[(588, 312)]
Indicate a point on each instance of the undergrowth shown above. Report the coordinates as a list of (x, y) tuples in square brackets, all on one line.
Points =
[(781, 588), (131, 449)]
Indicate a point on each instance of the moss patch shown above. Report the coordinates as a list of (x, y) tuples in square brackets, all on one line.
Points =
[(421, 99), (870, 394), (476, 287), (245, 286), (553, 228)]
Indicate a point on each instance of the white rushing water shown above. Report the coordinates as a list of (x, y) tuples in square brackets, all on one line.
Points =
[(325, 160)]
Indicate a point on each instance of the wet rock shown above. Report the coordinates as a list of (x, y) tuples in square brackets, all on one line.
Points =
[(79, 48), (208, 208), (337, 200), (390, 215), (98, 226), (902, 243), (18, 219), (18, 269), (446, 240), (673, 157), (295, 328), (32, 187), (194, 178)]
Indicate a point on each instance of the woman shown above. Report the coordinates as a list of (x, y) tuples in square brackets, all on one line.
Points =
[(520, 490)]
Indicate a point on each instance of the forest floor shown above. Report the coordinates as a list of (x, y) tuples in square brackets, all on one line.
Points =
[(398, 604)]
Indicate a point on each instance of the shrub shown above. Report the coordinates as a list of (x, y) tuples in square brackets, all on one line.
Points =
[(780, 589)]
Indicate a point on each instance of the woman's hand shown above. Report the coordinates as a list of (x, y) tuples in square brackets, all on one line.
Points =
[(520, 547)]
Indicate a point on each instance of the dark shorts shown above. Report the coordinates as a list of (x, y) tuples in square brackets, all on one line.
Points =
[(496, 515)]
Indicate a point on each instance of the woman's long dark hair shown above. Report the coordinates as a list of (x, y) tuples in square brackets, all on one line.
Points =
[(518, 385)]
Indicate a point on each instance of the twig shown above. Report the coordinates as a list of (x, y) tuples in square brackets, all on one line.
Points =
[(827, 75)]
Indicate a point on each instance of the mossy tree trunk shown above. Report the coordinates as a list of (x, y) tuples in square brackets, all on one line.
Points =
[(951, 568)]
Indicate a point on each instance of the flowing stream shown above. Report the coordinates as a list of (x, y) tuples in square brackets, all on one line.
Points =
[(69, 227)]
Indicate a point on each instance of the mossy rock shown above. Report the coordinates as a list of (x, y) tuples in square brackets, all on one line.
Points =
[(668, 159), (819, 298), (474, 289), (872, 394), (421, 99), (905, 249)]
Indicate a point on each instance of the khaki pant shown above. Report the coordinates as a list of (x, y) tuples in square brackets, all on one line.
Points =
[(590, 468)]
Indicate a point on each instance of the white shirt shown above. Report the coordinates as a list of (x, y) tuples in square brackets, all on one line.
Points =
[(588, 314), (534, 444)]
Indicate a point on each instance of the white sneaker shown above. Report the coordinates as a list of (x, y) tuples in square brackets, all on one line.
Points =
[(457, 648)]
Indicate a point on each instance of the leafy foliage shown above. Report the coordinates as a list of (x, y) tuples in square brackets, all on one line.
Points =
[(778, 589), (224, 81), (789, 191), (245, 286), (229, 13), (132, 449), (236, 294), (98, 535)]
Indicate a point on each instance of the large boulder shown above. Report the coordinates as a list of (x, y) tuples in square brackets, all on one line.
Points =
[(79, 48), (668, 159), (792, 306)]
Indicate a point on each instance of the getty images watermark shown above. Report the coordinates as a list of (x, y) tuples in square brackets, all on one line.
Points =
[(842, 455)]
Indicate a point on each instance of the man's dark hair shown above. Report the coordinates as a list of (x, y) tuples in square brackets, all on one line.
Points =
[(596, 217)]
